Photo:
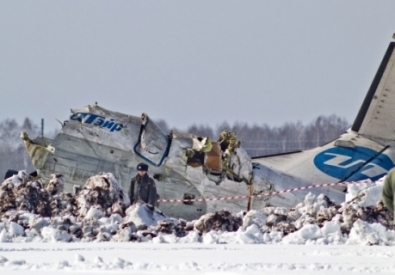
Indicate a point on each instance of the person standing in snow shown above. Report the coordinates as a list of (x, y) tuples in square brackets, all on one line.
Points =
[(142, 187), (388, 190)]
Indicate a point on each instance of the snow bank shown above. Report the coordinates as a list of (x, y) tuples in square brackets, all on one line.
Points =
[(100, 212)]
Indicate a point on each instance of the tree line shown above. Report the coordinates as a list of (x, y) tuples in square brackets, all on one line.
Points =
[(258, 140), (262, 140)]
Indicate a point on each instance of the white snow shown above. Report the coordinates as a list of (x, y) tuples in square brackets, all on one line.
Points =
[(195, 258), (15, 229), (141, 213), (36, 245), (370, 192)]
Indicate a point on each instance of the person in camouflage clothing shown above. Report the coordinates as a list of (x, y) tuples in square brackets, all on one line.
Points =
[(388, 190), (142, 187)]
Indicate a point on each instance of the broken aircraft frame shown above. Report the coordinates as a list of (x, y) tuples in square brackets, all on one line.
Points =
[(185, 166)]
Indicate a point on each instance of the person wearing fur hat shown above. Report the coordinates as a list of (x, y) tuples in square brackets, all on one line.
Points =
[(142, 187)]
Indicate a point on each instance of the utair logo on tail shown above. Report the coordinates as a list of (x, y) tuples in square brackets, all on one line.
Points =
[(341, 163)]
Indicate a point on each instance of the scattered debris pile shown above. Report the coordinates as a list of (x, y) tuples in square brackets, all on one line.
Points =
[(20, 193), (102, 193), (219, 221), (318, 210), (101, 211)]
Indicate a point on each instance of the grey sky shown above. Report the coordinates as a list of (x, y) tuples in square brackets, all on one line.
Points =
[(191, 61)]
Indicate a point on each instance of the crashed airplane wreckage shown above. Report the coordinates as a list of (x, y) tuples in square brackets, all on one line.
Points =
[(185, 166)]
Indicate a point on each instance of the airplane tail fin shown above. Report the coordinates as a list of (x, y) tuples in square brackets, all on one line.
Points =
[(376, 117)]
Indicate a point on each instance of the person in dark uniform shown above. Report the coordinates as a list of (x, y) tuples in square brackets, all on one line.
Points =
[(142, 187)]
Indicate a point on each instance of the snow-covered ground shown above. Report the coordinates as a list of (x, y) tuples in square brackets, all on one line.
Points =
[(197, 258), (96, 232)]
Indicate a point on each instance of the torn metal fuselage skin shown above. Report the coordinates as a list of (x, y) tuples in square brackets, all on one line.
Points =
[(37, 151), (184, 166), (96, 140)]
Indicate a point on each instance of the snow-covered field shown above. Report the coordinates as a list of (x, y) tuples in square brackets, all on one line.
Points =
[(45, 231), (197, 258)]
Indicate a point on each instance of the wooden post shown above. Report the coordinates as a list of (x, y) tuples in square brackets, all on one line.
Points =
[(250, 193)]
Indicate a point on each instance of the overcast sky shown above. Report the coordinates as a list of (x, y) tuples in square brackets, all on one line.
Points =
[(191, 61)]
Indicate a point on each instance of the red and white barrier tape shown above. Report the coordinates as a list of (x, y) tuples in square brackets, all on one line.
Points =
[(266, 194)]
